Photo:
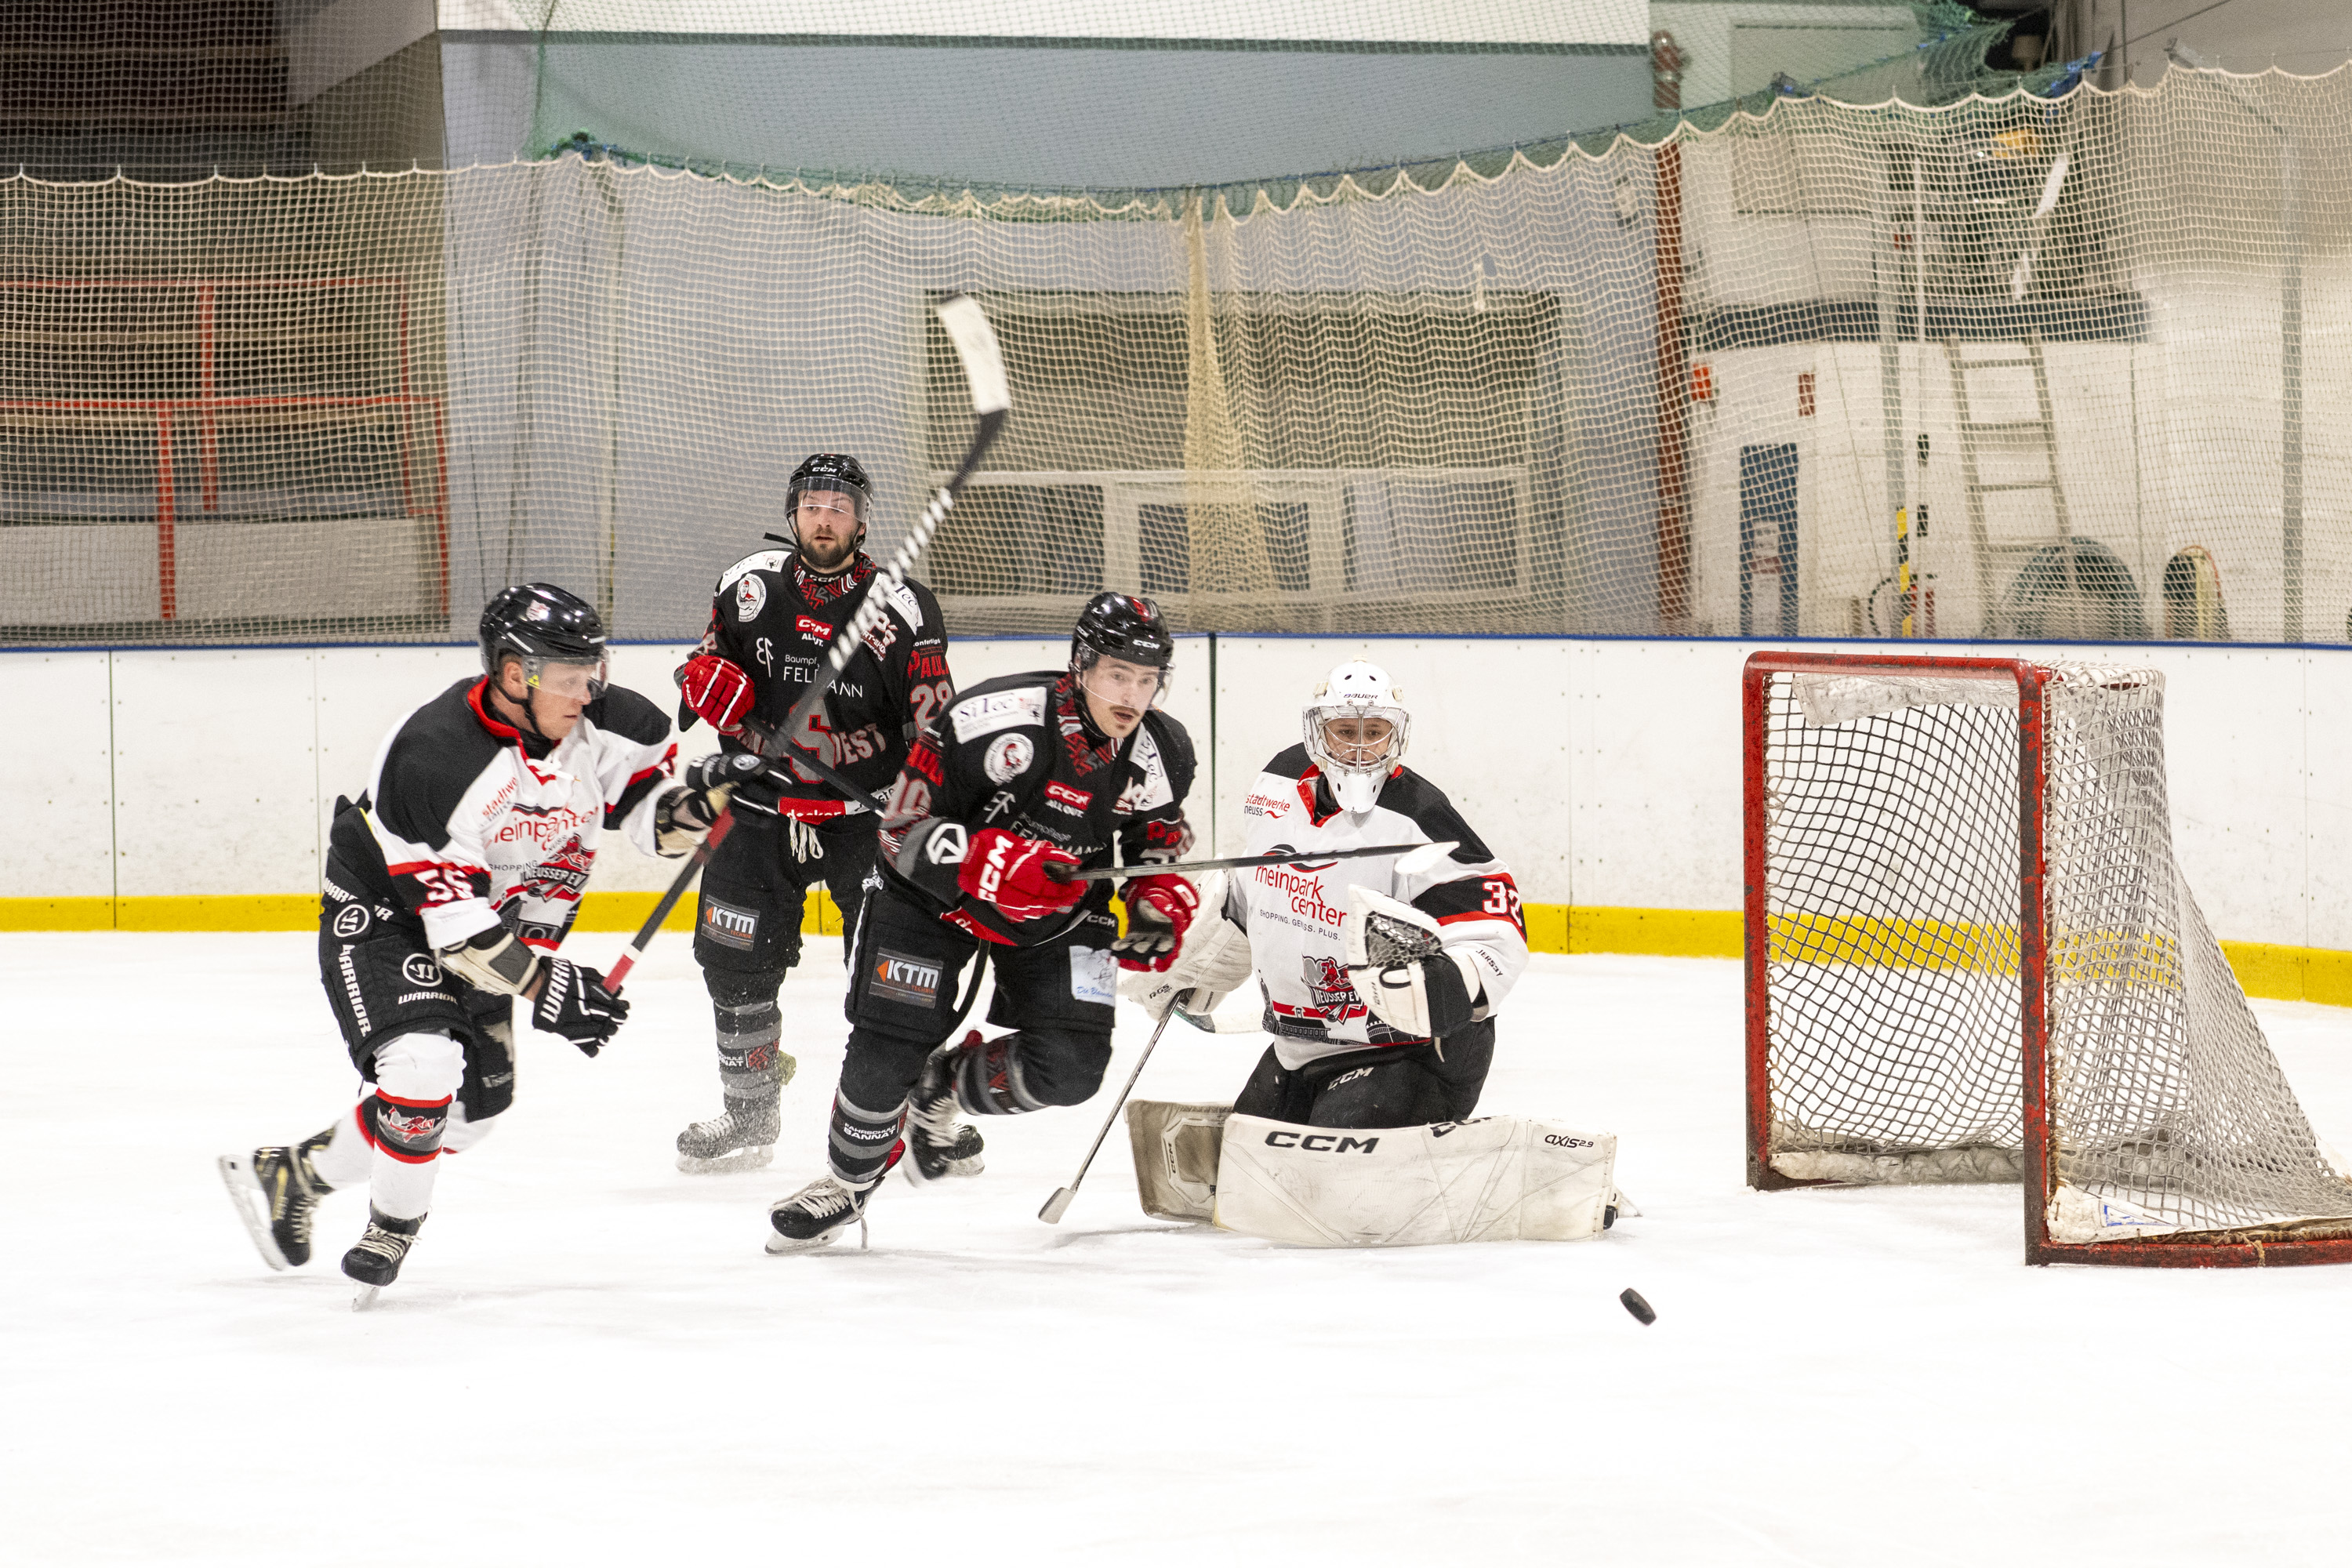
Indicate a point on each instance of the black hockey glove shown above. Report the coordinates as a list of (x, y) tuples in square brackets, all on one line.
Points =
[(574, 1003), (710, 782)]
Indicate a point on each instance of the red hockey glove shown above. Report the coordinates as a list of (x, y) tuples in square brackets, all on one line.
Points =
[(1011, 873), (1159, 910), (719, 690)]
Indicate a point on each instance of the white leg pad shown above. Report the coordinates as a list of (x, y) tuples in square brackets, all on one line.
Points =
[(1498, 1178), (1176, 1156)]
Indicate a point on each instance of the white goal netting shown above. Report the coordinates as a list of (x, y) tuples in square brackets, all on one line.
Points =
[(1896, 1006), (2020, 366)]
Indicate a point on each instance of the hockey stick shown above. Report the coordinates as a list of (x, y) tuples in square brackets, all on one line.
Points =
[(983, 371), (677, 887), (1059, 1203), (1418, 858)]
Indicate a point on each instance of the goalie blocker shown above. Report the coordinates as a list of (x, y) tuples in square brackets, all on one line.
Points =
[(1498, 1178)]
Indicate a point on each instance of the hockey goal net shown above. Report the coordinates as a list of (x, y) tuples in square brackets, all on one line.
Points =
[(1972, 957)]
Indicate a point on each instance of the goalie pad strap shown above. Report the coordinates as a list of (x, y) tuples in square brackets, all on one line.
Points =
[(495, 960)]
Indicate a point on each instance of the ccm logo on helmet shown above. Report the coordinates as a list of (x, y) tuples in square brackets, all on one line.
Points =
[(1321, 1142)]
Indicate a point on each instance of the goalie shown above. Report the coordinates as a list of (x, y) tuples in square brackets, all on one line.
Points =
[(1380, 988)]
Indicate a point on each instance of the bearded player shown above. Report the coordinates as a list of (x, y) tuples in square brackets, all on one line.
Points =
[(449, 886), (1019, 777), (771, 619), (1399, 1043)]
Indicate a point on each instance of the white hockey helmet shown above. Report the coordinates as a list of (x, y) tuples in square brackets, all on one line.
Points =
[(1360, 757)]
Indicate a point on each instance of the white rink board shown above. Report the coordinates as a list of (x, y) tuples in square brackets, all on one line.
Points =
[(57, 779), (1606, 772)]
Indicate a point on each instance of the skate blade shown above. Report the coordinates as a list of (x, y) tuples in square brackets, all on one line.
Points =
[(751, 1159), (245, 1193), (366, 1297), (780, 1246)]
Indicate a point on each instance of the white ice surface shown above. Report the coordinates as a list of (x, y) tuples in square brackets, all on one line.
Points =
[(590, 1360)]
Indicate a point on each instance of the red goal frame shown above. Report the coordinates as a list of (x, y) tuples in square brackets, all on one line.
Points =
[(209, 409), (2190, 1250)]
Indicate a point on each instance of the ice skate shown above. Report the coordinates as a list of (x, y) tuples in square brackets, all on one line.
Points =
[(375, 1259), (939, 1143), (812, 1217), (743, 1139), (276, 1194)]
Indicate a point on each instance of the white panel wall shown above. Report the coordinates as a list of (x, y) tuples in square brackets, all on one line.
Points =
[(1608, 772), (57, 779), (215, 772)]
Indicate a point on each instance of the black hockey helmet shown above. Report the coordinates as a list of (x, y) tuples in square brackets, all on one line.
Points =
[(1121, 625), (831, 471), (542, 624)]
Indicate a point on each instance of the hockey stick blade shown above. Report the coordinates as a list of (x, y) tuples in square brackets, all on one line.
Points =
[(1059, 1203), (1417, 859)]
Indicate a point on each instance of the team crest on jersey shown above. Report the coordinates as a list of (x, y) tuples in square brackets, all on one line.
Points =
[(751, 597), (1333, 993), (1009, 758)]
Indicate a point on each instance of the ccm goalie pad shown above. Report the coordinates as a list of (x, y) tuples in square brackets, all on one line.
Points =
[(1176, 1156), (1498, 1178)]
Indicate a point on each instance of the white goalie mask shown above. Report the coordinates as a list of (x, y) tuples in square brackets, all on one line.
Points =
[(1345, 737)]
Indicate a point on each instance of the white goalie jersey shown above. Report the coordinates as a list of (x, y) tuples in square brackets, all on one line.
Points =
[(1292, 914)]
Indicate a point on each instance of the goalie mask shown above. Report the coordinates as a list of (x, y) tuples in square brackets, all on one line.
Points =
[(1356, 732)]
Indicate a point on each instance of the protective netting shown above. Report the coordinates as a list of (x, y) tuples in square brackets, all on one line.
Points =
[(1892, 823), (2025, 366)]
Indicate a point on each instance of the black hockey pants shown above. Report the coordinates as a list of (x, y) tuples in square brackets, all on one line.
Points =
[(1384, 1086)]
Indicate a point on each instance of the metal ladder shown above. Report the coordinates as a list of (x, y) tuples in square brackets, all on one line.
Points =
[(1975, 436)]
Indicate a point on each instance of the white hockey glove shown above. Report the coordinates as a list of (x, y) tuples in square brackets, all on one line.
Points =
[(1213, 962), (1402, 972)]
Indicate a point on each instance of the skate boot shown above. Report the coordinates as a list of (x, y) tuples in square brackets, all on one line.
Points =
[(276, 1194), (374, 1261), (940, 1144), (744, 1138), (812, 1217)]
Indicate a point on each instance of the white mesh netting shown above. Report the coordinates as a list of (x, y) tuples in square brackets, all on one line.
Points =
[(2012, 367), (1892, 822)]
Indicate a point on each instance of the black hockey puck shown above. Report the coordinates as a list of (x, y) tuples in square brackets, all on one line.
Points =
[(1643, 1311)]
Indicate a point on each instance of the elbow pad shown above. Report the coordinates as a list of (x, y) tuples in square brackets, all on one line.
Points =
[(495, 960)]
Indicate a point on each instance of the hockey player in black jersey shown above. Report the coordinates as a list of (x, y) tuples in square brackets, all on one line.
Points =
[(1019, 775), (771, 621), (449, 885), (1401, 1042)]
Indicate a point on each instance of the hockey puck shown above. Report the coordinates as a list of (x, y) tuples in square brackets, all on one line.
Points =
[(1643, 1311)]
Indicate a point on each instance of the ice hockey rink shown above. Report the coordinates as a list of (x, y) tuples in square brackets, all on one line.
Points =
[(591, 1360)]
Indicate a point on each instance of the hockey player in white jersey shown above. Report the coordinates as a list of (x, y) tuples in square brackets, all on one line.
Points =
[(1380, 985), (449, 885)]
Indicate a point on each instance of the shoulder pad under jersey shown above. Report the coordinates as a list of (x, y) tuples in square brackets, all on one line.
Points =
[(1011, 702), (621, 711), (765, 560)]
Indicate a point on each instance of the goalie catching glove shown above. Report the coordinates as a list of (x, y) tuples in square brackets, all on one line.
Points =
[(707, 785), (1402, 972), (1158, 912)]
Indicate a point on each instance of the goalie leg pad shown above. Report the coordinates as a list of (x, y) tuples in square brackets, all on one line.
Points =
[(1500, 1178), (1176, 1149)]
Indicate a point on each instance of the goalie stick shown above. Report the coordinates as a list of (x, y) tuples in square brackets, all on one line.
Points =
[(1418, 858), (1059, 1203), (992, 402)]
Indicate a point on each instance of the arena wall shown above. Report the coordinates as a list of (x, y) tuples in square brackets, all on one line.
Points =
[(190, 789)]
